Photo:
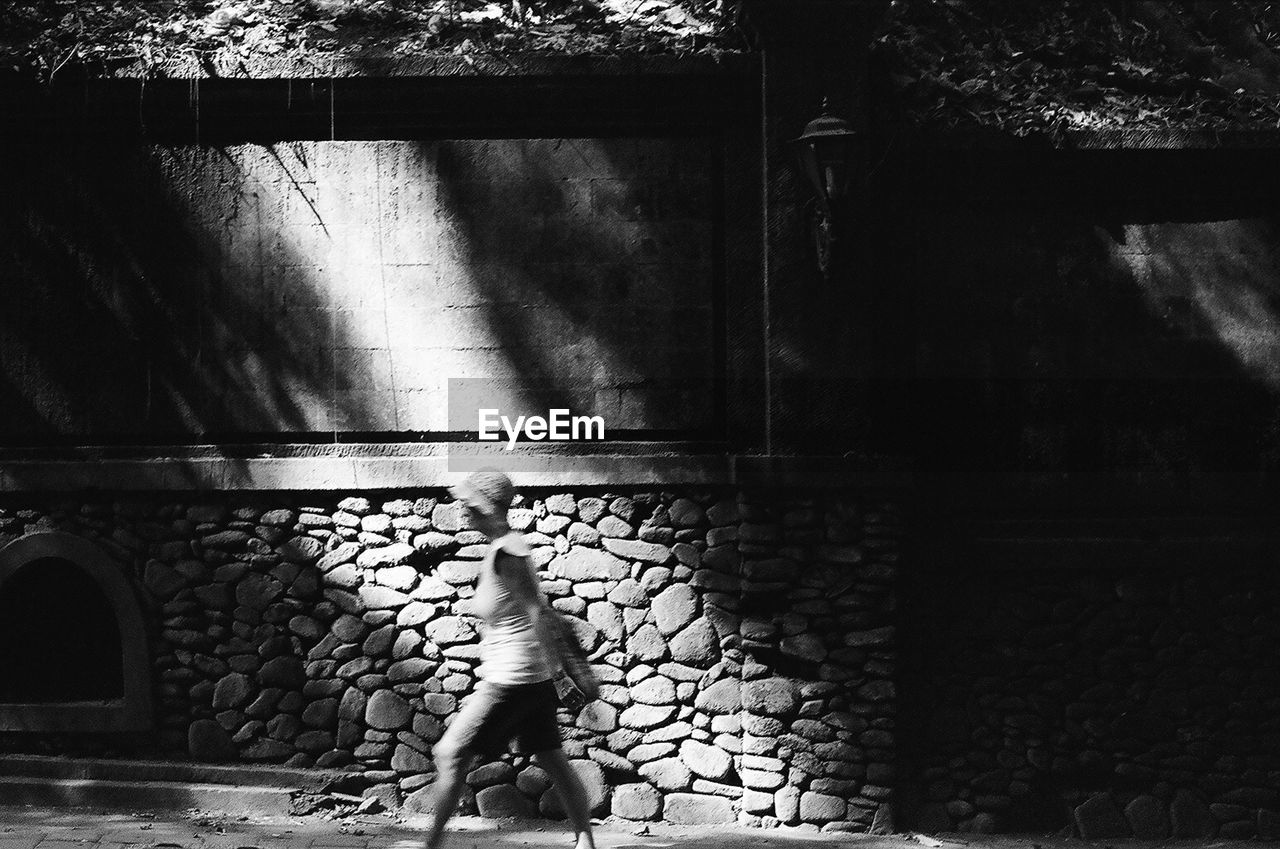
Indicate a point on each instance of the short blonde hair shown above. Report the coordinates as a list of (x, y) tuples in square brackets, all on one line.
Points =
[(487, 490)]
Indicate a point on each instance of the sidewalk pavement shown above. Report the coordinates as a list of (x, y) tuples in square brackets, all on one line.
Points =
[(61, 828)]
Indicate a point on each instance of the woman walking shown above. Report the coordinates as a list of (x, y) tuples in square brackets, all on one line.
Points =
[(518, 658)]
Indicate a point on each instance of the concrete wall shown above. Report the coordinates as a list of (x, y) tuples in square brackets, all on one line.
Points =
[(1094, 314), (162, 292), (745, 640)]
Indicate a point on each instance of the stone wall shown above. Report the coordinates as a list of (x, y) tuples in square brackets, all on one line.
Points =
[(745, 642), (1115, 703)]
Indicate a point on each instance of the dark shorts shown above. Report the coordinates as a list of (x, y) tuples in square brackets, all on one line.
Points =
[(495, 713)]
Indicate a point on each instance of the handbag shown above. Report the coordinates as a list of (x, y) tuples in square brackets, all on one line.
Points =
[(575, 682)]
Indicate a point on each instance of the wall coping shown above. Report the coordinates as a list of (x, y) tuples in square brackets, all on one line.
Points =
[(346, 467)]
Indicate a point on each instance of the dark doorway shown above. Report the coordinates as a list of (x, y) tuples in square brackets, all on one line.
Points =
[(59, 641)]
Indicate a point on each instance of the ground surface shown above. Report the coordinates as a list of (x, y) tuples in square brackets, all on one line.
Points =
[(29, 828)]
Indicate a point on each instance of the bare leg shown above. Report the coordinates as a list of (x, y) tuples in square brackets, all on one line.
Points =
[(452, 766), (572, 793)]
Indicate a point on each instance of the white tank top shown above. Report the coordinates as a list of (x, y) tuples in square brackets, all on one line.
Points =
[(510, 651)]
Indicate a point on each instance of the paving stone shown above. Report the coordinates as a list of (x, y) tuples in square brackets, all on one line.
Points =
[(209, 742), (705, 760), (606, 618), (786, 804), (504, 801), (636, 802), (533, 780), (697, 809), (375, 597), (820, 808), (301, 549), (757, 802), (492, 773), (256, 590), (721, 697), (1099, 818), (696, 645), (562, 504), (646, 752), (645, 552), (668, 774), (232, 691), (580, 533), (1148, 818), (770, 696), (415, 613), (450, 630), (685, 513), (807, 646), (654, 690), (647, 644), (642, 717), (598, 716), (591, 510), (589, 564), (408, 759), (629, 593), (760, 780), (387, 711), (321, 713), (1190, 817), (286, 672), (674, 608), (593, 782)]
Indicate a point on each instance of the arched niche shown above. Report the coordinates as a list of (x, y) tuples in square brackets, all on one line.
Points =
[(75, 643)]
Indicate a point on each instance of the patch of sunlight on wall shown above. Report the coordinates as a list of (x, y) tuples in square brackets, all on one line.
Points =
[(354, 279), (1223, 272)]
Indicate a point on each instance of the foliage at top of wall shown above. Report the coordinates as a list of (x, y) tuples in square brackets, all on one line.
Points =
[(1025, 68), (47, 37)]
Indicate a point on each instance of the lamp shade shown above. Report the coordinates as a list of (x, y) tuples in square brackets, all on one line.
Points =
[(825, 149)]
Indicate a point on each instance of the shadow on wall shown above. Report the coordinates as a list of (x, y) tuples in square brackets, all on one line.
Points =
[(186, 292), (1213, 279), (138, 297), (1058, 344), (589, 262)]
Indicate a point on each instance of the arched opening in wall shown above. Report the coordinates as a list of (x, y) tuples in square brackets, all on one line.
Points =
[(73, 646), (60, 634)]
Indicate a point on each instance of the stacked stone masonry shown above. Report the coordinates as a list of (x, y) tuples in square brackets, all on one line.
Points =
[(1111, 703), (745, 643)]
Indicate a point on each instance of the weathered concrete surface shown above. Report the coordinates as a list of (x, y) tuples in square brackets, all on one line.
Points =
[(355, 279)]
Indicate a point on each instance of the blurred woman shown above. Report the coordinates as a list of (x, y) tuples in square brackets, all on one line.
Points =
[(518, 659)]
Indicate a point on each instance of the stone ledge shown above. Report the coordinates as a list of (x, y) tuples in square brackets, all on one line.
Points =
[(368, 468)]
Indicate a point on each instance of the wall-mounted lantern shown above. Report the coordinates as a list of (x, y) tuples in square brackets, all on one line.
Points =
[(825, 154)]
